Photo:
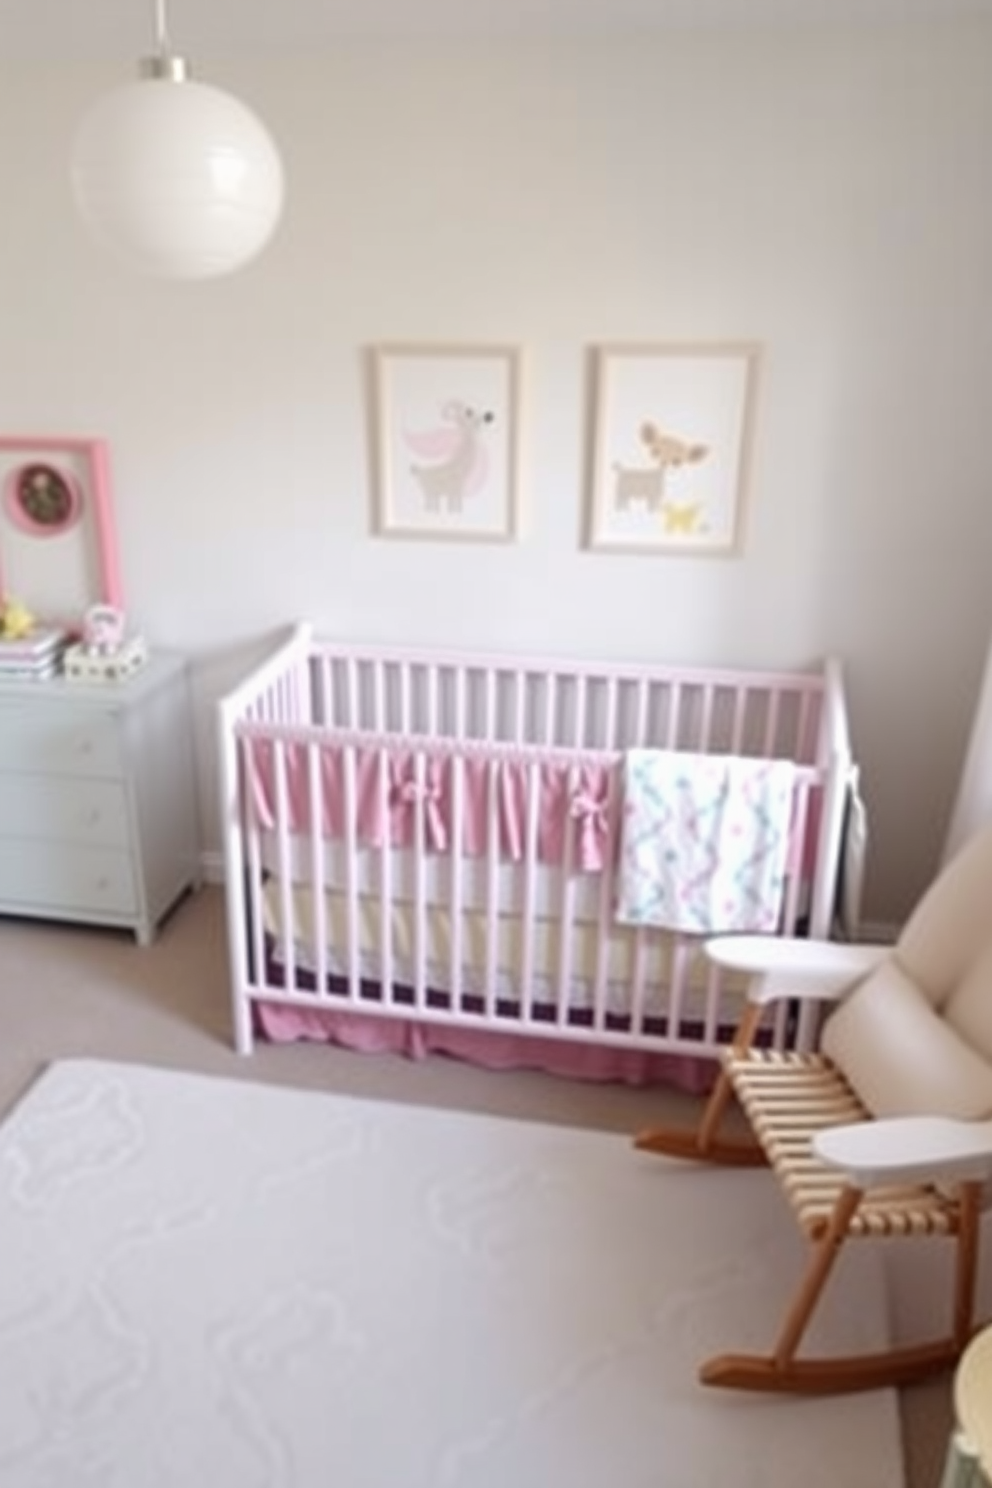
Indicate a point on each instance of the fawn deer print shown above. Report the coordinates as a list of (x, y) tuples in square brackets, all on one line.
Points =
[(646, 483), (453, 457)]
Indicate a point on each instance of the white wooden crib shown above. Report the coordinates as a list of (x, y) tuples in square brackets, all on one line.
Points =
[(430, 839)]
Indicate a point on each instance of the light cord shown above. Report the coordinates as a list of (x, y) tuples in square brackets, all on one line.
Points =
[(161, 29)]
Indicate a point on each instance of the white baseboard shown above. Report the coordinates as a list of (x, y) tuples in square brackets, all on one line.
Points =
[(878, 932), (212, 866)]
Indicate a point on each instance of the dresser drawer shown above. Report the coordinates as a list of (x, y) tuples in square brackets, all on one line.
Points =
[(63, 741), (59, 809), (57, 877)]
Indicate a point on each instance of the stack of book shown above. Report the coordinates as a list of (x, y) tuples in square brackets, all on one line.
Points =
[(36, 655)]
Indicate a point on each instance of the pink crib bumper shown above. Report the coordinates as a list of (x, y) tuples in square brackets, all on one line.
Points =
[(389, 791)]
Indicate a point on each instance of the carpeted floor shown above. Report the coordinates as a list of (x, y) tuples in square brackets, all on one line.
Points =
[(70, 992), (211, 1280)]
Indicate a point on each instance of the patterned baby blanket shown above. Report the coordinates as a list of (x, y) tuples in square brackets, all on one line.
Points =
[(704, 841)]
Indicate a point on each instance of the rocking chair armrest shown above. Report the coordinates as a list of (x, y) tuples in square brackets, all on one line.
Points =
[(792, 966), (909, 1149)]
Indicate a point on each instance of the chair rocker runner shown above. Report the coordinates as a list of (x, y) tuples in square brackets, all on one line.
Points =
[(884, 1130)]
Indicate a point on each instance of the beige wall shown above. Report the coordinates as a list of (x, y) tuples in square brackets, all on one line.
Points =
[(827, 194)]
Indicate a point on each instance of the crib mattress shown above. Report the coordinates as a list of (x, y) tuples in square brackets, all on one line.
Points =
[(632, 958)]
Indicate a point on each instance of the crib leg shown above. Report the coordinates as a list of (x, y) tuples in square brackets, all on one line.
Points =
[(244, 1033)]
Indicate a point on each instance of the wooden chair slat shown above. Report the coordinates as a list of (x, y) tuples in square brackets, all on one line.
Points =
[(788, 1097)]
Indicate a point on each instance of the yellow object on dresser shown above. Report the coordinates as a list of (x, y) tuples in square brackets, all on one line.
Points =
[(16, 620)]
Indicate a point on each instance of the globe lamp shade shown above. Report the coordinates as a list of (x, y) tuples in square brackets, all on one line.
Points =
[(176, 179)]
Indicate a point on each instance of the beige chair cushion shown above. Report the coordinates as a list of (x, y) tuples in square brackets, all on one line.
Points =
[(900, 1056), (951, 927), (969, 1007)]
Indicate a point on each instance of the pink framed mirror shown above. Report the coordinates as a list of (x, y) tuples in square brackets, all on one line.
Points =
[(58, 540)]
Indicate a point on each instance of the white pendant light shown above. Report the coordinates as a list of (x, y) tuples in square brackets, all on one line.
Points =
[(175, 178)]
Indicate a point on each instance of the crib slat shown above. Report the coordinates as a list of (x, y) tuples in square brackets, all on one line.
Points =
[(566, 927), (352, 918), (607, 892), (519, 680), (318, 895), (713, 1006), (739, 715), (805, 742), (253, 882), (493, 775), (638, 979), (771, 724), (609, 740), (706, 719), (580, 712), (550, 701), (460, 683), (674, 720), (321, 692), (678, 985), (419, 884), (489, 724), (457, 877), (386, 965), (641, 723), (528, 927), (256, 912), (378, 697), (406, 719), (239, 907), (794, 881), (287, 908), (352, 714)]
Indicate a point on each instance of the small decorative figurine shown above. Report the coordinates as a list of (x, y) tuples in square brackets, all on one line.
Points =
[(103, 630), (106, 652)]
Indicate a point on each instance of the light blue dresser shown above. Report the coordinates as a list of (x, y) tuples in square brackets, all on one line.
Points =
[(98, 816)]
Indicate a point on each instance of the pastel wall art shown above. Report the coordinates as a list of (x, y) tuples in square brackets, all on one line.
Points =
[(670, 445), (445, 442)]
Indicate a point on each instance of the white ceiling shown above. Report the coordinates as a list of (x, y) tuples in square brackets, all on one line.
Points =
[(62, 29)]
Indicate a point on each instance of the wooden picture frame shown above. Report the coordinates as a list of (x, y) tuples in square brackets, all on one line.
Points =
[(444, 441), (670, 452)]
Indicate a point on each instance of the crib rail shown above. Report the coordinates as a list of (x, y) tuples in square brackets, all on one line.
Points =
[(499, 699)]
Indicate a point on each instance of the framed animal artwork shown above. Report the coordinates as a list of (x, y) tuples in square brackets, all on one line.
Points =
[(670, 447), (58, 541), (444, 441)]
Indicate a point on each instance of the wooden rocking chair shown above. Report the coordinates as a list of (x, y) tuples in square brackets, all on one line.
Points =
[(885, 1130)]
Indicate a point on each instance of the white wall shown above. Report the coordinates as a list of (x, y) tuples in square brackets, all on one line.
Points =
[(827, 194)]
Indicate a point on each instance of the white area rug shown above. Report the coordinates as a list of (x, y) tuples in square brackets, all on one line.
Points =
[(209, 1282)]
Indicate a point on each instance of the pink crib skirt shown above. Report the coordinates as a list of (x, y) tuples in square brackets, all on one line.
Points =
[(491, 1050)]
